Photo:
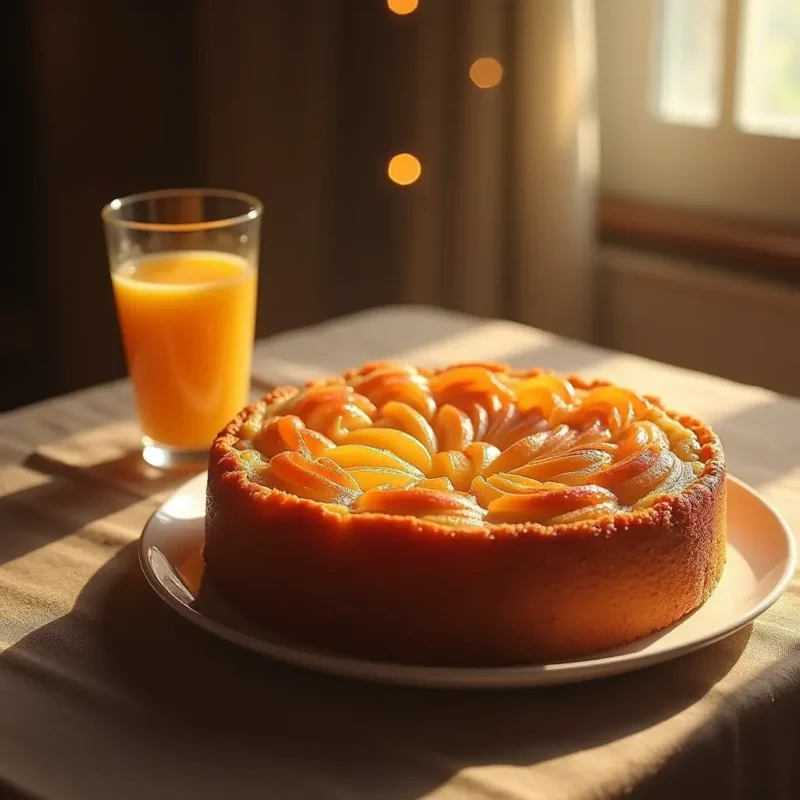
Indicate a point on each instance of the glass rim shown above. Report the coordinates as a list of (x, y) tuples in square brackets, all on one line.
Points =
[(110, 210)]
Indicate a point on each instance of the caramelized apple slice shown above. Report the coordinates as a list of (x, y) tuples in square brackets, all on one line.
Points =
[(572, 468), (453, 428), (462, 467), (596, 435), (416, 396), (561, 438), (402, 384), (289, 433), (681, 474), (478, 416), (332, 409), (371, 477), (376, 368), (499, 485), (511, 425), (454, 466), (515, 484), (350, 418), (666, 471), (500, 421), (482, 455), (458, 380), (361, 455), (544, 393), (637, 475), (615, 407), (418, 502), (398, 442), (316, 395), (335, 419), (405, 418), (682, 441), (553, 504), (639, 436), (319, 479), (522, 452), (481, 408), (440, 484)]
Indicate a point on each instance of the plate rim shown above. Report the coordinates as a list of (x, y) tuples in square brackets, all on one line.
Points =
[(516, 676)]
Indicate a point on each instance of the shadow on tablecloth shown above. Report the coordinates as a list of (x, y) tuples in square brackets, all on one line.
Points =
[(122, 697), (64, 499)]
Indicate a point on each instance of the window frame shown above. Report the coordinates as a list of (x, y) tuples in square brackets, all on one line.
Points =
[(721, 170)]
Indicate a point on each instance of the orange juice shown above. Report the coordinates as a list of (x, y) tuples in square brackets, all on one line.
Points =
[(187, 321)]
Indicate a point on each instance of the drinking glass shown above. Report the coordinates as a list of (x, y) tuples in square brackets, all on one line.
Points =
[(184, 267)]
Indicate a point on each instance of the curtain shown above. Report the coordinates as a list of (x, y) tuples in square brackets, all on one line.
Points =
[(504, 225), (304, 103)]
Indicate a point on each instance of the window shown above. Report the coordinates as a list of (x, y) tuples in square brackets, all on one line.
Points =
[(699, 104), (687, 80), (768, 99)]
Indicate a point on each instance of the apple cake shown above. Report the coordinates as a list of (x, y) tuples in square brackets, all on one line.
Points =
[(471, 515)]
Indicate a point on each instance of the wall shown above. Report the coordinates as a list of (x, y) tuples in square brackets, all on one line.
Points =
[(695, 316)]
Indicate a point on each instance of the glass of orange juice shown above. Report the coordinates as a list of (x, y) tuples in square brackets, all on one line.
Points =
[(184, 267)]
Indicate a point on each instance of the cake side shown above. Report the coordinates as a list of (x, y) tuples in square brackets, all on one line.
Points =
[(396, 587)]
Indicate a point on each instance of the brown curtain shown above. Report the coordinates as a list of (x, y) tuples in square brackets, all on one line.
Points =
[(303, 103)]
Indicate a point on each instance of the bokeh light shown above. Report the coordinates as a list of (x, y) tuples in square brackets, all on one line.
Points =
[(404, 169), (402, 6), (486, 72)]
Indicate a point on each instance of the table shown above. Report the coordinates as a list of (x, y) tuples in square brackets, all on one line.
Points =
[(107, 693)]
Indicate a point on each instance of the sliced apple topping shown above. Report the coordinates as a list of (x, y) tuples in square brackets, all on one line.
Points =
[(418, 502), (510, 425), (453, 428), (520, 453), (552, 504), (381, 477), (397, 382), (461, 467), (614, 407), (682, 441), (470, 445), (544, 393), (373, 466), (402, 444), (362, 455), (440, 484), (403, 417), (332, 410), (290, 433), (462, 380), (572, 468), (315, 479)]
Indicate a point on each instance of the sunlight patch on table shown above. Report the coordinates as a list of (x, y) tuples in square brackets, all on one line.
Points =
[(18, 479), (709, 398), (279, 372), (490, 341)]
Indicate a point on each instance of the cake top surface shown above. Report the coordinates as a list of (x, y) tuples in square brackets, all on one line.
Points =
[(471, 445)]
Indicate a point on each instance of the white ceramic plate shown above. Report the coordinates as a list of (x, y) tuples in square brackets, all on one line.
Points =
[(761, 562)]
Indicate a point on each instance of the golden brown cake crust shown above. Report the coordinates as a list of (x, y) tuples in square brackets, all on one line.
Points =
[(399, 588)]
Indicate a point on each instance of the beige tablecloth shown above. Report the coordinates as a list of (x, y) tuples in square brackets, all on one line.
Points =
[(106, 693)]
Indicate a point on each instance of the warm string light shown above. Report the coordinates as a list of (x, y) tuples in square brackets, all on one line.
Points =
[(486, 72), (402, 6), (404, 169)]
